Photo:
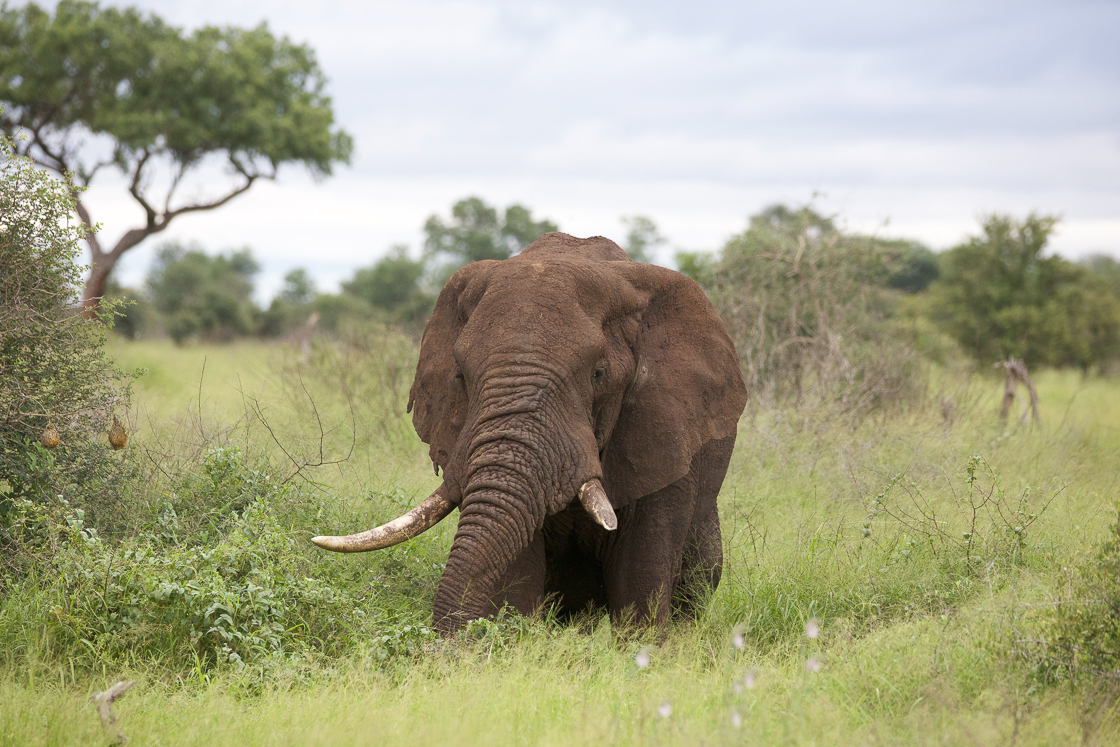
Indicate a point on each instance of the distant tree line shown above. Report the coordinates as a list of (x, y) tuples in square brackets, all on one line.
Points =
[(192, 295), (820, 312), (806, 301)]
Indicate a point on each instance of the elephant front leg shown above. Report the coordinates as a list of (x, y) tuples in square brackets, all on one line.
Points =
[(667, 551), (643, 561), (521, 586)]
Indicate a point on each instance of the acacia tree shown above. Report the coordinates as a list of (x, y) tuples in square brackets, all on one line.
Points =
[(158, 104)]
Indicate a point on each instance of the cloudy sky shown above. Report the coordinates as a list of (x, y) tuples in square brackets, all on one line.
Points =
[(904, 118)]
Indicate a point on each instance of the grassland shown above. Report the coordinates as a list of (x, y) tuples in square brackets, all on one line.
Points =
[(924, 547)]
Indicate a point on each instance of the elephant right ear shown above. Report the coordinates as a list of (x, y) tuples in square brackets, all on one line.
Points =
[(438, 400)]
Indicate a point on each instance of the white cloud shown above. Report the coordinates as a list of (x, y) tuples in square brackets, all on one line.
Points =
[(696, 114)]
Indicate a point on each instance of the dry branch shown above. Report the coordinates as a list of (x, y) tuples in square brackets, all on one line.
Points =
[(104, 701), (1017, 372)]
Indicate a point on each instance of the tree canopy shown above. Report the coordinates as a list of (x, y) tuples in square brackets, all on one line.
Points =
[(642, 237), (204, 296), (476, 232), (393, 286), (167, 101), (1000, 296)]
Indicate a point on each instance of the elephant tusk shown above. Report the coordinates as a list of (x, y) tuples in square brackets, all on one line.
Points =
[(417, 521), (594, 500)]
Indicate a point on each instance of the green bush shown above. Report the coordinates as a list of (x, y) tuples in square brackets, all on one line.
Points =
[(54, 373), (202, 296), (228, 585), (1077, 639), (998, 296), (811, 312)]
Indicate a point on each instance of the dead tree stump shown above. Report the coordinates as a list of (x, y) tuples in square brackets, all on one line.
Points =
[(104, 701), (1017, 372)]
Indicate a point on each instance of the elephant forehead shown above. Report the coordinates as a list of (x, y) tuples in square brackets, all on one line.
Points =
[(554, 287)]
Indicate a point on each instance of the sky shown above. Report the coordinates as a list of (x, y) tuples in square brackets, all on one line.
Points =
[(902, 119)]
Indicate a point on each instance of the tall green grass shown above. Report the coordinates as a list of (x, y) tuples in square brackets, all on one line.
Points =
[(922, 546)]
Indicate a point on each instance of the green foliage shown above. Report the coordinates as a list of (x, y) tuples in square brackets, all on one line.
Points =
[(1077, 639), (339, 313), (135, 316), (700, 266), (911, 267), (393, 285), (203, 296), (53, 368), (811, 312), (642, 237), (155, 90), (476, 233), (291, 307), (237, 596), (162, 96), (999, 297)]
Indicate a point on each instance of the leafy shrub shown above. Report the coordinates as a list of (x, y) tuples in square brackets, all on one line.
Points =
[(1077, 639), (231, 587), (53, 369), (203, 296), (811, 313)]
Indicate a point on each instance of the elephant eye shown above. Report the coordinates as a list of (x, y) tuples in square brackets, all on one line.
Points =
[(598, 375)]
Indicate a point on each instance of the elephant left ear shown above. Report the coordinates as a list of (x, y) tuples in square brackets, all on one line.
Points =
[(687, 390)]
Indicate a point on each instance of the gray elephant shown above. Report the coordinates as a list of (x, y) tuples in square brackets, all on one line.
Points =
[(583, 410)]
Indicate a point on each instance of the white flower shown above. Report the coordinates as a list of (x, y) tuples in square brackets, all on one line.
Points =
[(642, 659), (665, 709), (812, 630), (748, 679), (737, 640), (737, 688), (736, 719), (812, 665)]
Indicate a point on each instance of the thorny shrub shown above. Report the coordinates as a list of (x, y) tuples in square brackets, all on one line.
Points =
[(54, 373), (812, 316)]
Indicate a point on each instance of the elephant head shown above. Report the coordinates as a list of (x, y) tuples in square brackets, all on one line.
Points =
[(566, 374)]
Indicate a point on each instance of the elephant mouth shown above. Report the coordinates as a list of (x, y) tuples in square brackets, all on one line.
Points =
[(436, 507)]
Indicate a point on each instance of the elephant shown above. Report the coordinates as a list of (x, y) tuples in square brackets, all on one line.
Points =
[(582, 408)]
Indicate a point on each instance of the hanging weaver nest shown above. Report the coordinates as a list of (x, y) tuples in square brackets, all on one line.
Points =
[(50, 437), (117, 435)]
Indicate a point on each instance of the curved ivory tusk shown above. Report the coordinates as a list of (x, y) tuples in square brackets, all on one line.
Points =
[(417, 521), (594, 500)]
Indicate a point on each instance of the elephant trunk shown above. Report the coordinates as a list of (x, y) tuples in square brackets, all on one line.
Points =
[(494, 528), (512, 477)]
